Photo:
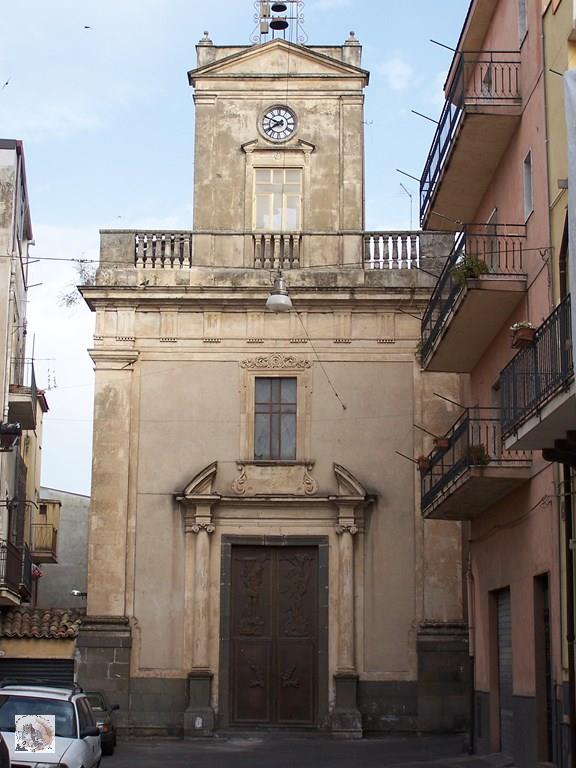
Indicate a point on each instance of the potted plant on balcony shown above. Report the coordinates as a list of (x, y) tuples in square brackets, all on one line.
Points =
[(470, 268), (423, 463), (418, 349), (522, 334), (477, 455)]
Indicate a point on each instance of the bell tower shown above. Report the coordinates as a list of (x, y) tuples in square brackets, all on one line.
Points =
[(279, 152)]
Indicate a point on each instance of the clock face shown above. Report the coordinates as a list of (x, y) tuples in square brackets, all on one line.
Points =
[(279, 123)]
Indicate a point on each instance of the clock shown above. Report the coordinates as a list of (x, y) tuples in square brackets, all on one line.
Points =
[(278, 123)]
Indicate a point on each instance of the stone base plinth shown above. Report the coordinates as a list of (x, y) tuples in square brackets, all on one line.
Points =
[(346, 720), (199, 720)]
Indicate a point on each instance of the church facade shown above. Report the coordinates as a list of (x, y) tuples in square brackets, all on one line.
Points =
[(257, 556)]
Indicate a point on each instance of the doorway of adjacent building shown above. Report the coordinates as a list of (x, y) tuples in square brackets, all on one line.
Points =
[(543, 666), (504, 639), (273, 636)]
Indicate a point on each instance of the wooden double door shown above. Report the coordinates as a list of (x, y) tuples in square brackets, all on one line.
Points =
[(274, 636)]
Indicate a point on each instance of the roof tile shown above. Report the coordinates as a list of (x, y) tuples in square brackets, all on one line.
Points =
[(46, 623)]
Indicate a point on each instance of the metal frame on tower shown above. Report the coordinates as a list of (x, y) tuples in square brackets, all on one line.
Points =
[(279, 19)]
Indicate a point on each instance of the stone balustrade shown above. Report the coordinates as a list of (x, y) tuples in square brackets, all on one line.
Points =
[(392, 250), (181, 250)]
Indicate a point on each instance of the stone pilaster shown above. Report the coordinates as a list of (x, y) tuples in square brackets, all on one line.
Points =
[(346, 718), (107, 544), (199, 716)]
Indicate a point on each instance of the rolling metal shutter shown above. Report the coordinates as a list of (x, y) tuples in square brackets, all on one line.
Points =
[(505, 671), (33, 670)]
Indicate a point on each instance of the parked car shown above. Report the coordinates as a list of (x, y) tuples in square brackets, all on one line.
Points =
[(76, 737), (4, 754), (103, 713)]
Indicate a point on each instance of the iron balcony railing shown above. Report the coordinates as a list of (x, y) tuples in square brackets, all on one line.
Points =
[(480, 249), (26, 573), (481, 79), (11, 562), (474, 441), (44, 538), (538, 371)]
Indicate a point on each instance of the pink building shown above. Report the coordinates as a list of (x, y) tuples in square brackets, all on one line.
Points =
[(496, 318)]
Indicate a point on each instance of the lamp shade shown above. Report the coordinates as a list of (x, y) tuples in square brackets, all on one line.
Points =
[(279, 300)]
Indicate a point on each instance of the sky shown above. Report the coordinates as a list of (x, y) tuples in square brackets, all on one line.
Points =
[(98, 92)]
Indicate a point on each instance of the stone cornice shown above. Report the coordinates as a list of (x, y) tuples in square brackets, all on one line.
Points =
[(114, 359)]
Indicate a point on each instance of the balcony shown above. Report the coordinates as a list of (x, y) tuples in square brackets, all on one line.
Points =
[(538, 396), (482, 111), (472, 472), (11, 573), (23, 394), (44, 545), (480, 285)]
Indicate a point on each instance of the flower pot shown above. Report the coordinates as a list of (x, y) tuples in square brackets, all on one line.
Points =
[(441, 443), (523, 337)]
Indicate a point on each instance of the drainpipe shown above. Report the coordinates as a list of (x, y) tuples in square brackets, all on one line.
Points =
[(569, 552)]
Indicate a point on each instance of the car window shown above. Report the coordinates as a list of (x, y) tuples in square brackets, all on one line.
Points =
[(63, 711), (96, 701), (85, 714)]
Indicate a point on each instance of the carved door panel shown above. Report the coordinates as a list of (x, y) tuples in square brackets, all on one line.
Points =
[(274, 635)]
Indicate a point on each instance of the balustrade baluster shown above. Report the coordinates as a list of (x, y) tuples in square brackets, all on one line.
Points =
[(296, 253), (286, 252), (187, 251), (372, 251), (268, 251), (258, 255), (169, 249)]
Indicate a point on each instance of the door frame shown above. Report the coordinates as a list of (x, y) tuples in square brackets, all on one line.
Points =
[(321, 543)]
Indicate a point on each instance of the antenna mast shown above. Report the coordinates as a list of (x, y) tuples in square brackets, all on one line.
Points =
[(282, 19)]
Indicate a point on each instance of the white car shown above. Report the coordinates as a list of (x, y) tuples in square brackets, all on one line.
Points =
[(75, 742)]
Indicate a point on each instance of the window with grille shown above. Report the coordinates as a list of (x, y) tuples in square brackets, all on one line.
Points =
[(275, 418), (278, 199)]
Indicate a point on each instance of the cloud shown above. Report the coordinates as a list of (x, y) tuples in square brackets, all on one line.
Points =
[(435, 95), (398, 73)]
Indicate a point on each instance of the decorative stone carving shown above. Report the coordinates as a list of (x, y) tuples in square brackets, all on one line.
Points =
[(310, 484), (274, 479), (276, 362), (239, 483)]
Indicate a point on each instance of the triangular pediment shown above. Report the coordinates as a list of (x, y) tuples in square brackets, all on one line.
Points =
[(277, 58)]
